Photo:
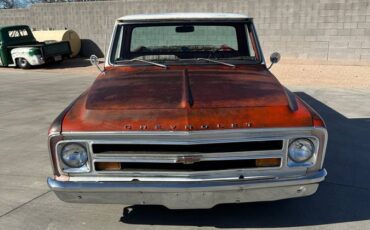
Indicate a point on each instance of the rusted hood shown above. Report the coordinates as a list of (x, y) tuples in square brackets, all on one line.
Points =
[(184, 99), (175, 89)]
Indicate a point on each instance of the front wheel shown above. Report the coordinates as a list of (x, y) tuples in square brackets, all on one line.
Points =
[(23, 63)]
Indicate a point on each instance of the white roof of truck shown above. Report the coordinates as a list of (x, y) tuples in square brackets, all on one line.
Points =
[(182, 16)]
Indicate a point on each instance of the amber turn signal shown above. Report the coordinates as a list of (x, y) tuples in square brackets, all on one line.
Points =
[(268, 162), (109, 166)]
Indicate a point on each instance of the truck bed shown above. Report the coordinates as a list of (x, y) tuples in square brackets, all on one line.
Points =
[(55, 49)]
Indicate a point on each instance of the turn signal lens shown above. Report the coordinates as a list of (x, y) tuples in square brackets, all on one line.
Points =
[(107, 166), (268, 162)]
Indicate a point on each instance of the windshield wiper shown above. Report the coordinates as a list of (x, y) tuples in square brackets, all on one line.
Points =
[(218, 62), (145, 61)]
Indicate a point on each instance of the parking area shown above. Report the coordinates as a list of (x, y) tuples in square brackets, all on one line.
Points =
[(30, 100)]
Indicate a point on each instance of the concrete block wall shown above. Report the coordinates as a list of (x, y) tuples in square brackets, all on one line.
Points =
[(299, 29)]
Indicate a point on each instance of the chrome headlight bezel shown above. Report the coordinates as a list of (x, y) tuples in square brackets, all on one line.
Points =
[(64, 167), (310, 160)]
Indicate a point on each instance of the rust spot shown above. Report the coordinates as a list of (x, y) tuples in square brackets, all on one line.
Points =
[(220, 126), (61, 178), (204, 126)]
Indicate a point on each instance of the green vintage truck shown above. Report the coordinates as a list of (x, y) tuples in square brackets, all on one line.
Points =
[(19, 48)]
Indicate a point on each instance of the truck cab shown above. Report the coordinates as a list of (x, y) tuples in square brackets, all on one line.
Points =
[(19, 48)]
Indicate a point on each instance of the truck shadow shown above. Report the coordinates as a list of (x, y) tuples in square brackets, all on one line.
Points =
[(343, 197), (89, 47), (66, 64)]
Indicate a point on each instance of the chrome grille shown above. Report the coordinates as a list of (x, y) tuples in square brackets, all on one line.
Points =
[(278, 139)]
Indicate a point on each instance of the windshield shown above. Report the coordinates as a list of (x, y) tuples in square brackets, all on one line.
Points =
[(185, 41)]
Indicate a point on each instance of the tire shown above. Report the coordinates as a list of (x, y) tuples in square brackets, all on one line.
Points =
[(23, 63)]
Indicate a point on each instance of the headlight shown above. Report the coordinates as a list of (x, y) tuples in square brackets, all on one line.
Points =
[(74, 155), (301, 150)]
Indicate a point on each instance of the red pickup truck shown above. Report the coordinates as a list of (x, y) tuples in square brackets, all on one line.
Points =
[(186, 114)]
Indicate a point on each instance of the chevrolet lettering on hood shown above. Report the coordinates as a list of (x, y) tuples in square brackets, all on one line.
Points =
[(190, 127), (185, 113)]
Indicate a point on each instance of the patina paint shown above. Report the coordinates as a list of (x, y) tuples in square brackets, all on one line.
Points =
[(185, 98)]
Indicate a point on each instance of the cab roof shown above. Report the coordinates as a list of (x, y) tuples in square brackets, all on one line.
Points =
[(182, 16), (15, 27)]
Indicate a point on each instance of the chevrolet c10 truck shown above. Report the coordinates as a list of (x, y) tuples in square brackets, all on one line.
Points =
[(19, 48), (186, 114)]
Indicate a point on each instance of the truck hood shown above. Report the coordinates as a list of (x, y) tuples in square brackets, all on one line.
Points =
[(175, 89), (180, 99)]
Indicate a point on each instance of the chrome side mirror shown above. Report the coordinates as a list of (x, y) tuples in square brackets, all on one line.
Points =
[(274, 58), (95, 61)]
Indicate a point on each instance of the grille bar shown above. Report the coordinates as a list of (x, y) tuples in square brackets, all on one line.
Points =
[(196, 148), (196, 166)]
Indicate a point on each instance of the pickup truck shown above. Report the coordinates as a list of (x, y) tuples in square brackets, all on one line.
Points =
[(18, 47), (186, 114)]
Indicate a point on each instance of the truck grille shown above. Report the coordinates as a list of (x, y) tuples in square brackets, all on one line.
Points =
[(189, 156), (185, 157)]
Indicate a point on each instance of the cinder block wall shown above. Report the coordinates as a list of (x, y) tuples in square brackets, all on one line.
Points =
[(303, 29)]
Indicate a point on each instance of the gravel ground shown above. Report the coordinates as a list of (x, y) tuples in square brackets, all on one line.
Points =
[(290, 73), (333, 76)]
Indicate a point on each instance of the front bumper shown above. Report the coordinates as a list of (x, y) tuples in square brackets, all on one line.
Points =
[(187, 195)]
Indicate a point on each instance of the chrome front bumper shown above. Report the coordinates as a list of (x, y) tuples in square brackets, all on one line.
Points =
[(187, 195)]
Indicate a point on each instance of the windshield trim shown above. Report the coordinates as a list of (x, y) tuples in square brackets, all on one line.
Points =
[(249, 21), (184, 20)]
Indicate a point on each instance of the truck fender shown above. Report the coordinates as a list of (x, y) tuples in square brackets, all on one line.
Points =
[(21, 53), (31, 54)]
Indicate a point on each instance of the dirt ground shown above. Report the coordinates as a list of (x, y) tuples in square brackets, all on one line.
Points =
[(333, 76), (289, 73)]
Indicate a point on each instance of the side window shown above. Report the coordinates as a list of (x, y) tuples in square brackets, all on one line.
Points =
[(13, 33), (23, 33), (119, 35), (17, 33), (252, 53)]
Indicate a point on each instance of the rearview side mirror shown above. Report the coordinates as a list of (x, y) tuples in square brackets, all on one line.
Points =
[(274, 58), (95, 61)]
